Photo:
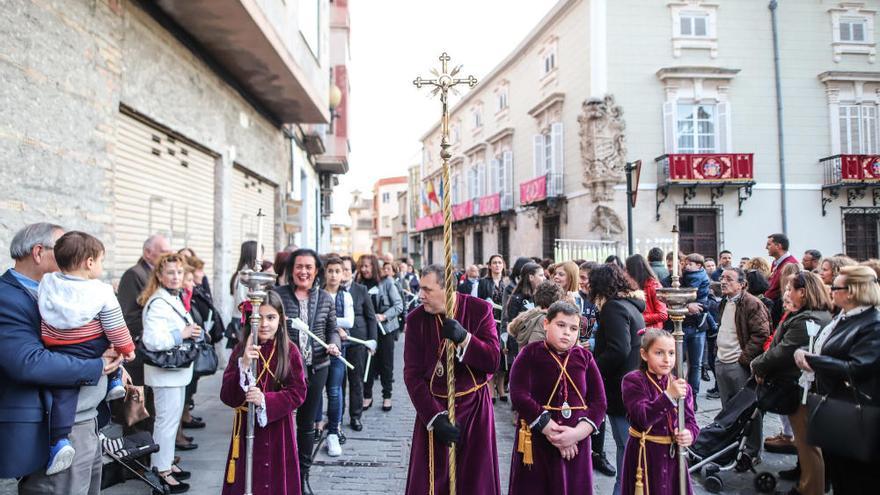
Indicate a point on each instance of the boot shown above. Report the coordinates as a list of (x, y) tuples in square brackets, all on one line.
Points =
[(305, 488)]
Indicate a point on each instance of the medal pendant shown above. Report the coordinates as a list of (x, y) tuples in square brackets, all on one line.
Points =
[(439, 369), (566, 410)]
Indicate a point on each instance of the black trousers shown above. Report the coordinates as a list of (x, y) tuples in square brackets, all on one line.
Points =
[(305, 416), (382, 365), (356, 355), (851, 477), (597, 444)]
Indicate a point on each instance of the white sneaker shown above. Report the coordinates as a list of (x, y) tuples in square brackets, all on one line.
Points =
[(333, 447)]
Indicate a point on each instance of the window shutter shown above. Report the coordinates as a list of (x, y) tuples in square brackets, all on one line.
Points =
[(558, 150), (724, 139), (497, 176), (669, 132), (538, 158)]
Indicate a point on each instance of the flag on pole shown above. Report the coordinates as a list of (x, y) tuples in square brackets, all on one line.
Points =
[(432, 195), (426, 206)]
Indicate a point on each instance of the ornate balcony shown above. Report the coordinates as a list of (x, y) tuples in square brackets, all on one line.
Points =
[(854, 173), (708, 170)]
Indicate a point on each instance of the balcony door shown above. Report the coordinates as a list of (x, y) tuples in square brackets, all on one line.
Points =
[(699, 231), (860, 232)]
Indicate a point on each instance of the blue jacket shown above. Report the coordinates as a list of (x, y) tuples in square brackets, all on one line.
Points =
[(26, 368)]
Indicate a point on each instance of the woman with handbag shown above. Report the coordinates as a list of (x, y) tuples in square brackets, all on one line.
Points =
[(165, 345), (806, 303), (844, 414)]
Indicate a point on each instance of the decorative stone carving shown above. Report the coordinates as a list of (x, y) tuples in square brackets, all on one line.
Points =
[(603, 146), (606, 222)]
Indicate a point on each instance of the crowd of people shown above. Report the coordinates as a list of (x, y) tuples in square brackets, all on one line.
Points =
[(575, 347)]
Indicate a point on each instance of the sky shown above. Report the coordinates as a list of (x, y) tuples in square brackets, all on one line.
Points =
[(392, 42)]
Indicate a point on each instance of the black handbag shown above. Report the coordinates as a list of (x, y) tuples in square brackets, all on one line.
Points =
[(779, 396), (180, 356), (843, 428), (206, 361), (177, 357)]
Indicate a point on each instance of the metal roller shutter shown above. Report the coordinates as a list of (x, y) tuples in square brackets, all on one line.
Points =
[(249, 194), (160, 185)]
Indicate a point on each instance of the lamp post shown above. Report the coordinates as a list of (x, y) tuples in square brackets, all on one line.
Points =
[(677, 299)]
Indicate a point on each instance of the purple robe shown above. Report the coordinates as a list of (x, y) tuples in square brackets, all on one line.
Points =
[(477, 455), (532, 379), (276, 465), (648, 407)]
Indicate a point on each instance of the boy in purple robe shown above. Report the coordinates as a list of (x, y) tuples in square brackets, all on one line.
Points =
[(650, 395), (556, 388), (277, 390), (425, 373)]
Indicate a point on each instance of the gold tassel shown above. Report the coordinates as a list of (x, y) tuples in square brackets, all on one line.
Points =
[(640, 487), (525, 443), (235, 441), (230, 472)]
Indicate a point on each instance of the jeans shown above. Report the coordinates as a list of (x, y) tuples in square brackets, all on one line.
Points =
[(620, 431), (335, 398), (694, 342)]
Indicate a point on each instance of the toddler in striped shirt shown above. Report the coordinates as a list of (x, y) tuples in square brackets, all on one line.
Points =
[(80, 317)]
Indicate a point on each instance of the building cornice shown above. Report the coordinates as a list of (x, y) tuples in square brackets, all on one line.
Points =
[(546, 103), (498, 136), (475, 148), (839, 75), (696, 72)]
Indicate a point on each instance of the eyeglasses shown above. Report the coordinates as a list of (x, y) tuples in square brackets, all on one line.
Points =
[(834, 288)]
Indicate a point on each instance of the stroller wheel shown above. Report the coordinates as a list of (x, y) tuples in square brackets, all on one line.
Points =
[(765, 482), (712, 469), (713, 484)]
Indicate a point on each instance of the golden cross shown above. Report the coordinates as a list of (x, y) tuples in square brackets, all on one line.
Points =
[(443, 82)]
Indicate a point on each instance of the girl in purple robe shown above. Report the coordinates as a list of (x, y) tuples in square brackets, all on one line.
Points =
[(277, 390), (556, 388), (650, 395)]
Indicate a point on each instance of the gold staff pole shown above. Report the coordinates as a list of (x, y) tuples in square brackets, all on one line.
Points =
[(677, 299), (443, 82)]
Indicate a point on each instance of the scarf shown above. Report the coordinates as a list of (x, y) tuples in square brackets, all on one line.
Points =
[(340, 302)]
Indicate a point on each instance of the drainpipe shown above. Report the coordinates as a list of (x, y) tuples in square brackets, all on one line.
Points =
[(780, 133)]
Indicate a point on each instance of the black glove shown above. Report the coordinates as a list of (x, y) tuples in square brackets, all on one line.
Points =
[(445, 431), (453, 331)]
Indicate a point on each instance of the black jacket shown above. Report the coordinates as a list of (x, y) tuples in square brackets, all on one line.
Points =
[(851, 354), (516, 304), (322, 321), (617, 346), (364, 315), (132, 283), (202, 307)]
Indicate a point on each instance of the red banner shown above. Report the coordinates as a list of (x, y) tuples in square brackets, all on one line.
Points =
[(533, 190), (860, 168), (437, 218), (462, 210), (424, 223), (490, 205), (715, 167)]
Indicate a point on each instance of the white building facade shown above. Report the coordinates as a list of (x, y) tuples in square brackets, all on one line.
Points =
[(689, 88)]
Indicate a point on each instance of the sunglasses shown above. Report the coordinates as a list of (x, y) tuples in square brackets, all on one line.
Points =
[(834, 288)]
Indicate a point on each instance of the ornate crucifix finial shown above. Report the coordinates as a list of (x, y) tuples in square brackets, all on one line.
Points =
[(443, 82)]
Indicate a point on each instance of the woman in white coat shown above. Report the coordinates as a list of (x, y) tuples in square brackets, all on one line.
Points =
[(166, 325)]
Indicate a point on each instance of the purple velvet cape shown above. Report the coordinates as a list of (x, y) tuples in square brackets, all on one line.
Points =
[(648, 407), (477, 455), (532, 377), (276, 464)]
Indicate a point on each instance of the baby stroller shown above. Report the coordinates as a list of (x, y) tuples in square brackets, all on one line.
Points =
[(126, 452), (720, 446)]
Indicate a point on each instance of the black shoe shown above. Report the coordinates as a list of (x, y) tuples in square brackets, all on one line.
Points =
[(601, 464), (368, 405), (180, 475), (704, 375), (793, 474), (503, 398), (341, 435), (195, 424), (388, 407), (713, 393), (493, 400), (178, 487), (306, 488), (188, 438), (356, 424), (186, 446)]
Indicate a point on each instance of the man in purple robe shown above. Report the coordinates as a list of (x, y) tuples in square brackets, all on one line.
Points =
[(424, 372)]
